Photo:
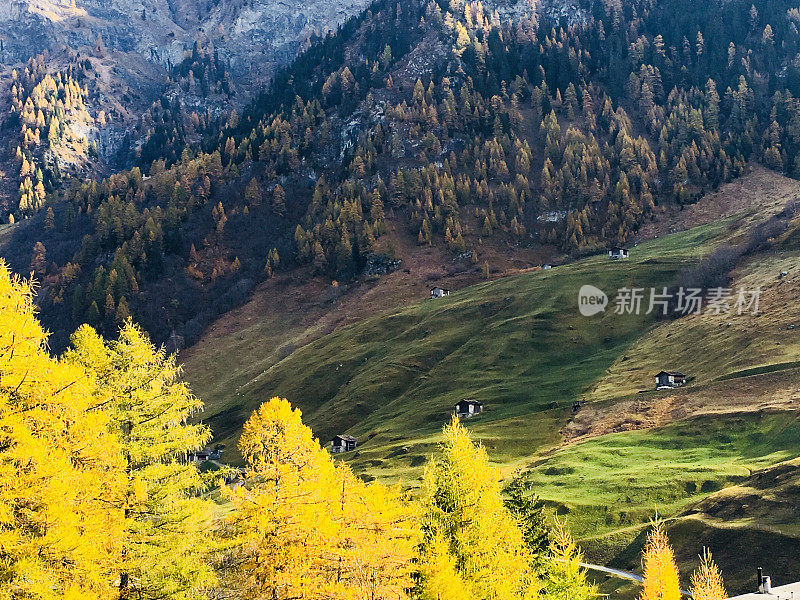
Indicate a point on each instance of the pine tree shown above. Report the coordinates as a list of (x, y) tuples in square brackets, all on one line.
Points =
[(529, 512), (319, 259), (39, 195), (110, 306), (486, 228), (49, 219), (279, 201), (39, 259), (439, 574), (711, 114), (279, 524), (571, 100), (564, 576), (465, 524), (122, 313), (706, 581), (252, 193), (93, 314)]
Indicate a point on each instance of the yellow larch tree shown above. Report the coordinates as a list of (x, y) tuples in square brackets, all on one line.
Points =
[(463, 512), (661, 578), (283, 519), (168, 524), (564, 577), (303, 527), (706, 582), (376, 538), (60, 467), (438, 574)]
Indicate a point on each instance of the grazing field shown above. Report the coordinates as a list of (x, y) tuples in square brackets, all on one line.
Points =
[(711, 347), (518, 344), (754, 522), (720, 482), (608, 483)]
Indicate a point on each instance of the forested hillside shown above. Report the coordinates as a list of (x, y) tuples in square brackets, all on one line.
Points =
[(464, 128)]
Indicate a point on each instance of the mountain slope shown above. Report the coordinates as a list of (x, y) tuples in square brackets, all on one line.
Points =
[(508, 340), (539, 135), (518, 344), (129, 54)]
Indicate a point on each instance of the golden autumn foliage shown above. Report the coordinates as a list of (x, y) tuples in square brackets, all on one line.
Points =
[(438, 573), (471, 542), (305, 527), (149, 406), (284, 519), (563, 576), (60, 467), (661, 579), (706, 582), (98, 500)]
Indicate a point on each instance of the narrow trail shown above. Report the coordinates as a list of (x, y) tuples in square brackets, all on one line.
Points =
[(615, 572), (621, 574)]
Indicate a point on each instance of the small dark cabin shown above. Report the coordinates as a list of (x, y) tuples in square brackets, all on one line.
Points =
[(468, 408), (343, 443), (669, 379)]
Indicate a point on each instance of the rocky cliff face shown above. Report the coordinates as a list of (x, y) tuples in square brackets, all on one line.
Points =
[(253, 36), (257, 35)]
